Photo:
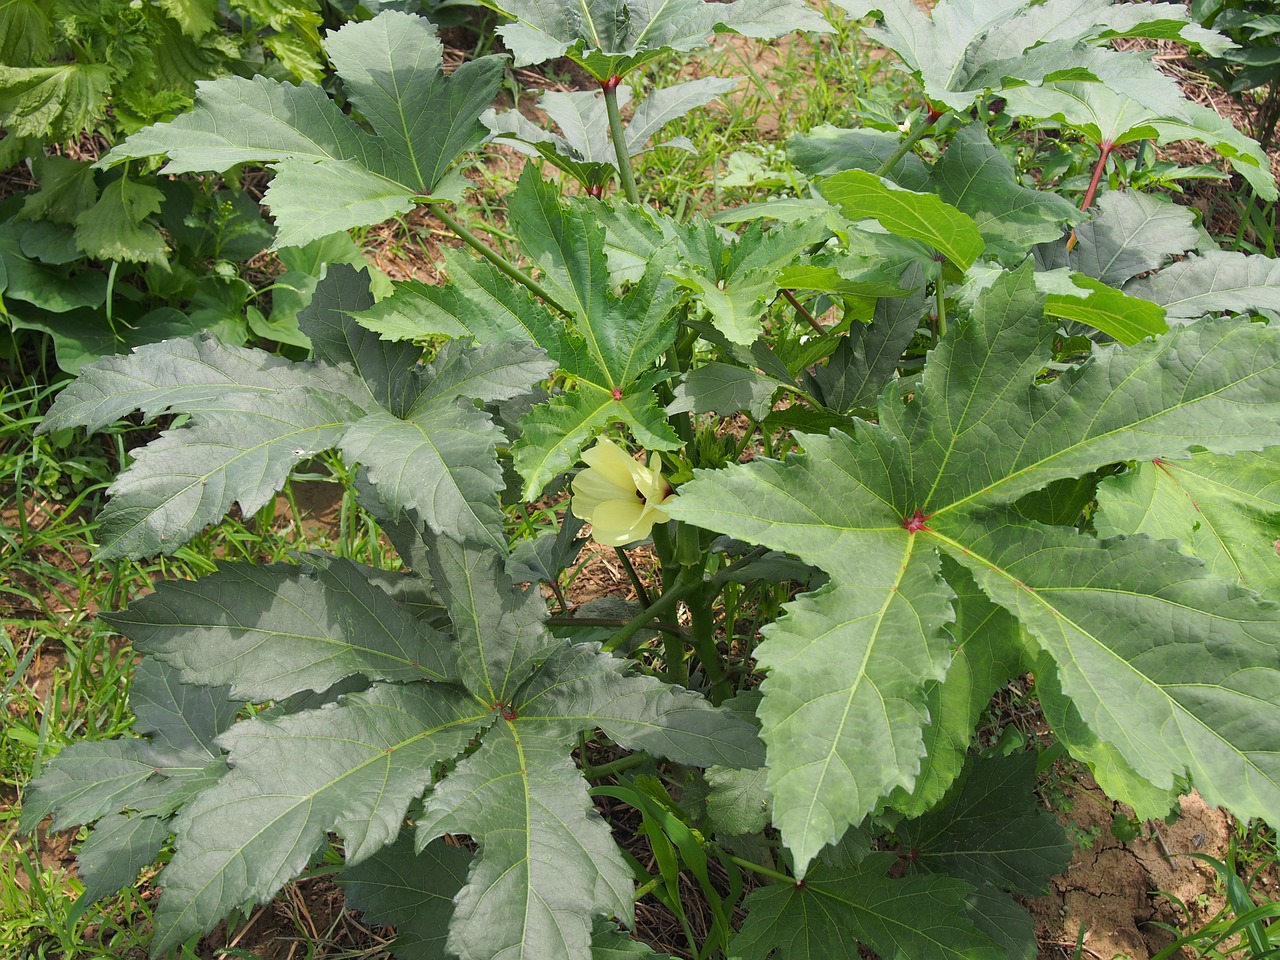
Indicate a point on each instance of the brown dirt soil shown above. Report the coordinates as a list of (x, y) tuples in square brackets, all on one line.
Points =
[(1109, 889)]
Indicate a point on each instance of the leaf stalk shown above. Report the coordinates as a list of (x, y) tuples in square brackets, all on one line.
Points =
[(468, 237), (619, 137), (764, 871), (922, 125), (683, 587)]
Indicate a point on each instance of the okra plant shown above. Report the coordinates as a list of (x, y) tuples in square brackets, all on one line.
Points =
[(979, 429)]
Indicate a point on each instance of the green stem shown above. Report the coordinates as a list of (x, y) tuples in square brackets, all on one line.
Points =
[(663, 605), (660, 625), (940, 298), (762, 870), (677, 667), (620, 138), (498, 260), (616, 131), (683, 586), (636, 583), (614, 767), (704, 645), (918, 131)]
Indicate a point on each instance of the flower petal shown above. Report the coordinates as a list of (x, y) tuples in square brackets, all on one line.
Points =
[(619, 522), (612, 463)]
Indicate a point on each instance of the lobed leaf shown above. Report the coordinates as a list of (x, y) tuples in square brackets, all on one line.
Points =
[(988, 653), (579, 687), (351, 768), (610, 40), (547, 866), (498, 627), (1170, 666), (93, 779), (411, 891), (993, 831), (240, 453), (1129, 622), (835, 909), (976, 178), (1224, 510), (1131, 233), (439, 458), (193, 376), (1218, 281), (276, 630), (421, 121)]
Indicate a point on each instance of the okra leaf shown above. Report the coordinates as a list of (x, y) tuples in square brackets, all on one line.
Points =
[(391, 67)]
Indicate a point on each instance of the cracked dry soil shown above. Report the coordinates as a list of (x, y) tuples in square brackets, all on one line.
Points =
[(1110, 888)]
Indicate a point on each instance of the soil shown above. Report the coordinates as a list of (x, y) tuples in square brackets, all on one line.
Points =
[(1115, 891)]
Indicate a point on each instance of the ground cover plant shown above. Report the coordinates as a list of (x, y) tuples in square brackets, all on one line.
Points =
[(97, 261), (974, 422)]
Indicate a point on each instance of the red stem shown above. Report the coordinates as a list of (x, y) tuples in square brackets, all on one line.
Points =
[(1104, 151)]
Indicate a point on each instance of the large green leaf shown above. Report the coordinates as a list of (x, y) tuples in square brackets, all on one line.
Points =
[(976, 178), (962, 47), (610, 350), (331, 174), (836, 909), (53, 102), (175, 376), (498, 626), (1171, 667), (581, 685), (610, 39), (547, 865), (735, 280), (1215, 282), (411, 891), (842, 711), (241, 453), (351, 769), (1107, 116), (273, 631), (1129, 233), (92, 779), (993, 831), (438, 458), (1131, 623), (987, 655), (416, 429), (919, 216), (1225, 510)]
